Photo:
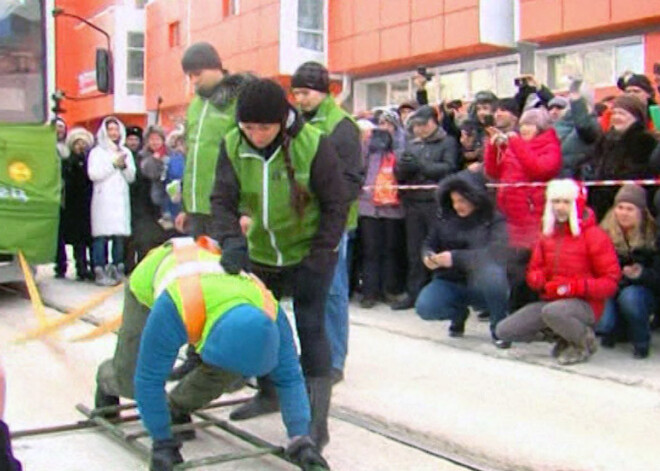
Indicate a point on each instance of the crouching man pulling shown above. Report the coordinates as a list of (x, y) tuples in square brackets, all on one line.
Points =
[(575, 268), (238, 329)]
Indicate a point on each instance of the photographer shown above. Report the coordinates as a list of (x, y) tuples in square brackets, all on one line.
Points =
[(531, 94), (428, 158), (446, 112)]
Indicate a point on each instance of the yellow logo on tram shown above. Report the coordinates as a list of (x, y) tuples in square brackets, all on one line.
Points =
[(20, 172)]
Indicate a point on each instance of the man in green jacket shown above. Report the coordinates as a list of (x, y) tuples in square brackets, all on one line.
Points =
[(311, 90), (210, 116)]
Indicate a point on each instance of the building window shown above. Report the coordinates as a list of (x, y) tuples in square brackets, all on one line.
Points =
[(599, 64), (135, 64), (174, 34), (311, 25), (230, 7)]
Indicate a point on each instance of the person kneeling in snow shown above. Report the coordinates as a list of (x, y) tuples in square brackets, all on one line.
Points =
[(575, 268)]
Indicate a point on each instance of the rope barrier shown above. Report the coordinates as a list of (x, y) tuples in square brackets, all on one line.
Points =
[(590, 183)]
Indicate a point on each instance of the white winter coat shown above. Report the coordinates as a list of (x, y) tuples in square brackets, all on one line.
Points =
[(111, 203)]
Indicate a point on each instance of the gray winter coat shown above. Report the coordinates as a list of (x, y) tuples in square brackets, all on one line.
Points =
[(578, 131)]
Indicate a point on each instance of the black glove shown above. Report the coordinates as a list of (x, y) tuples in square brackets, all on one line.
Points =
[(408, 163), (321, 261), (235, 255), (7, 460), (165, 454), (303, 452)]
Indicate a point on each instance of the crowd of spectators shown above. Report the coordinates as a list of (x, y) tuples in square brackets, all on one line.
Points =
[(451, 212), (484, 206)]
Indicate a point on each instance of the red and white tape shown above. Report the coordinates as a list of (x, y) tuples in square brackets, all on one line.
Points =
[(646, 182)]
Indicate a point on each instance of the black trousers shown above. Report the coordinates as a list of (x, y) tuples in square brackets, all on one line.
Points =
[(80, 251), (383, 243), (309, 291), (419, 219)]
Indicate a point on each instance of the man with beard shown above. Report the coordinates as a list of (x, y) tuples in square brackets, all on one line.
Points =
[(210, 116)]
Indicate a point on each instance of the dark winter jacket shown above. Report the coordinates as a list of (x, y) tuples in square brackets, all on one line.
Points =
[(620, 156), (426, 162), (537, 160), (326, 184), (475, 240), (578, 130), (380, 144), (588, 257), (447, 122), (75, 217), (144, 213)]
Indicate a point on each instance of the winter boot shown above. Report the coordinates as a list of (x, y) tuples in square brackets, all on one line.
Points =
[(7, 460), (264, 402), (192, 361), (573, 354), (112, 273), (102, 399), (320, 392), (101, 278)]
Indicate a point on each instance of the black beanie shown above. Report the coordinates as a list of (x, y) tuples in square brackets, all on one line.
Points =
[(200, 56), (311, 75), (636, 80), (262, 101), (510, 105)]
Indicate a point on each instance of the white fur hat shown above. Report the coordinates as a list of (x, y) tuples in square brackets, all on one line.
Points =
[(565, 189)]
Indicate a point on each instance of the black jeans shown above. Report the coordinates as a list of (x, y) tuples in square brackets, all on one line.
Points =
[(383, 244), (309, 291), (419, 219), (79, 254)]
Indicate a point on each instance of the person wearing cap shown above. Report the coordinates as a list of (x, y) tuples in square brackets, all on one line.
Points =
[(111, 168), (428, 158), (632, 229), (557, 108), (482, 106), (507, 115), (624, 152), (210, 116), (574, 269), (533, 155), (238, 328), (577, 128), (75, 224), (310, 86), (134, 139), (406, 109), (161, 167), (285, 174)]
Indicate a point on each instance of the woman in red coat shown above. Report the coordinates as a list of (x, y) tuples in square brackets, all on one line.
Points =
[(534, 155), (575, 269)]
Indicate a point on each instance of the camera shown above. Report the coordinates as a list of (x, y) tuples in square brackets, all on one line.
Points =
[(520, 82), (489, 120), (421, 70)]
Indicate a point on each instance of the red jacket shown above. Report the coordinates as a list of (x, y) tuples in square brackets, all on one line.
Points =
[(538, 160), (589, 257)]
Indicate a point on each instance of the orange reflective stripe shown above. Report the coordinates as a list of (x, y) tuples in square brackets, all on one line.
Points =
[(192, 296), (269, 300)]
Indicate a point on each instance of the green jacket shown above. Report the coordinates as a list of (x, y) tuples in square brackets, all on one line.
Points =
[(326, 118), (222, 292), (277, 237), (206, 125)]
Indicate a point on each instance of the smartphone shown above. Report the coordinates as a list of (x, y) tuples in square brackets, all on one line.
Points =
[(421, 70), (489, 120), (519, 82)]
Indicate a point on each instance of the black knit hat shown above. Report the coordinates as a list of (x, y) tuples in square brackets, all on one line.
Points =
[(262, 101), (134, 131), (508, 104), (200, 56), (636, 80), (311, 75)]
